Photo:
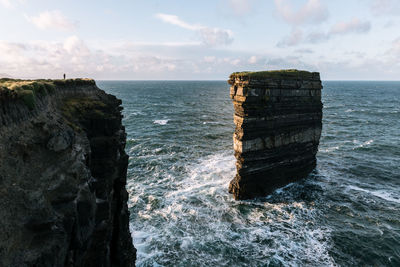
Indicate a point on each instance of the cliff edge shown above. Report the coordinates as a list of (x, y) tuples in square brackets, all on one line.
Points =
[(278, 118), (63, 166)]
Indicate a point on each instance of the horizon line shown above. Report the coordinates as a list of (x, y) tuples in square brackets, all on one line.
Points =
[(204, 80)]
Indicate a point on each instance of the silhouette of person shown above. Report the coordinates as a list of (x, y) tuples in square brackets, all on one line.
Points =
[(64, 76)]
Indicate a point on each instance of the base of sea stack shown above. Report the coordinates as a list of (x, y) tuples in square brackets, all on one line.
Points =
[(263, 184), (278, 118)]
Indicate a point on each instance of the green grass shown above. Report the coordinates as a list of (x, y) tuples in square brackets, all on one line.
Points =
[(273, 74), (28, 90)]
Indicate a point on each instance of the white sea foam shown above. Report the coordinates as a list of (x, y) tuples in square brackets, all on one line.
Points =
[(210, 122), (197, 211), (362, 144), (378, 193), (161, 122), (330, 149)]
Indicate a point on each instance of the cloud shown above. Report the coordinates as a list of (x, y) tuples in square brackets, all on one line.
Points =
[(317, 37), (295, 38), (175, 20), (115, 60), (252, 60), (209, 59), (304, 51), (209, 36), (43, 59), (52, 20), (394, 52), (386, 7), (311, 12), (119, 60), (241, 7), (74, 45), (6, 3), (353, 26)]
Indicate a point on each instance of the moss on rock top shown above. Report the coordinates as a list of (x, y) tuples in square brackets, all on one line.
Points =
[(275, 74)]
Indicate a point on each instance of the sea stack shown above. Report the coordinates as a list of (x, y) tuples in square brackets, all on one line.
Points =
[(63, 167), (278, 118)]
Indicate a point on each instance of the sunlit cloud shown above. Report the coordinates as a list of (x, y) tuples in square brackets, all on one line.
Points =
[(54, 20), (352, 26), (313, 11), (208, 35)]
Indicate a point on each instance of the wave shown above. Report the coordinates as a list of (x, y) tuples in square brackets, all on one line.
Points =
[(330, 149), (211, 122), (363, 144), (197, 221), (161, 122), (379, 193)]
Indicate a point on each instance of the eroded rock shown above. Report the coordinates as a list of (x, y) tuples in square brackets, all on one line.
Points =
[(63, 166), (278, 118)]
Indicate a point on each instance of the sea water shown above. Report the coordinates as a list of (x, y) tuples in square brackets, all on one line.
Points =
[(179, 142)]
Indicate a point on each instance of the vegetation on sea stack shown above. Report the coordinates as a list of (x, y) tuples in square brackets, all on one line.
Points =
[(274, 74)]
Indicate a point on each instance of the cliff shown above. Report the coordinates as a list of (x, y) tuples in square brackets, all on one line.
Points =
[(278, 118), (63, 166)]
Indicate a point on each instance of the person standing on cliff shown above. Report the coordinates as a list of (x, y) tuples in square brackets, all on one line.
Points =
[(64, 76)]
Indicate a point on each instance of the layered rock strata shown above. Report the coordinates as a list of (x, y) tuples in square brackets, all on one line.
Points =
[(63, 166), (278, 118)]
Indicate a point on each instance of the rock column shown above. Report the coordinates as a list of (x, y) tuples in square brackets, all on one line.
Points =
[(278, 118)]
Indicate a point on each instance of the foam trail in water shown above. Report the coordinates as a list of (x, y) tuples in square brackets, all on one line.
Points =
[(380, 193)]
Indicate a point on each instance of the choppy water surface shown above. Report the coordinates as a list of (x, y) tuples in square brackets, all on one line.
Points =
[(181, 160)]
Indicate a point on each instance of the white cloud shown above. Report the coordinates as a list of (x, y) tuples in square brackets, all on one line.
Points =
[(394, 51), (208, 35), (6, 3), (353, 26), (293, 39), (311, 12), (317, 37), (241, 7), (386, 7), (304, 51), (252, 60), (209, 59), (175, 20), (52, 20), (74, 45)]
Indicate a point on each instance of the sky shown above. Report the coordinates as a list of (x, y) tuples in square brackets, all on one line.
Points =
[(199, 40)]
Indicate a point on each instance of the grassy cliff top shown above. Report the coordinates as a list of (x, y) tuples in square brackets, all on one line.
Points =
[(27, 90), (33, 85), (276, 74)]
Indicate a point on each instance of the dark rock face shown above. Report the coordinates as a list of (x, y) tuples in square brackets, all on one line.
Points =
[(63, 166), (278, 117)]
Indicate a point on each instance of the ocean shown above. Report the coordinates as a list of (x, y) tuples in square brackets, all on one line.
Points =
[(179, 142)]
